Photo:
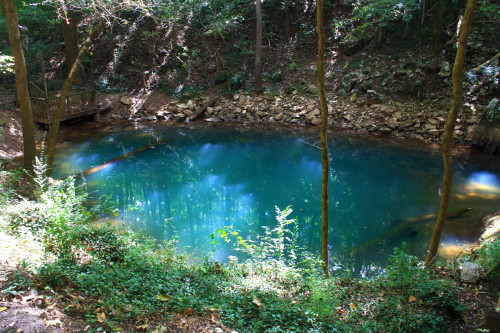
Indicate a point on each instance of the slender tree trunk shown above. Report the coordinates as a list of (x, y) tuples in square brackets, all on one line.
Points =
[(422, 21), (437, 35), (10, 12), (54, 129), (258, 50), (70, 37), (324, 123), (449, 129)]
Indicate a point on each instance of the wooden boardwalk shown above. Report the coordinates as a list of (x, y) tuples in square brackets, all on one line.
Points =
[(79, 103)]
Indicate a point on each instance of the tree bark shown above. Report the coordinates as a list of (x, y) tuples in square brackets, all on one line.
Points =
[(70, 37), (64, 93), (437, 35), (323, 137), (258, 49), (422, 21), (10, 12), (449, 129)]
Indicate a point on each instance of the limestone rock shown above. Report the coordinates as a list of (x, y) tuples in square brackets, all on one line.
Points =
[(127, 100), (470, 272), (445, 69), (316, 121)]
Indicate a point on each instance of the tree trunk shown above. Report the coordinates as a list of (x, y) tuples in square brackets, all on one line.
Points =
[(437, 35), (10, 12), (422, 21), (324, 123), (64, 93), (449, 129), (70, 37), (258, 50)]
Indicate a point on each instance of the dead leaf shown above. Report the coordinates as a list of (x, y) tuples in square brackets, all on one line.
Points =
[(101, 317), (257, 302), (13, 323), (3, 308), (142, 327), (189, 312), (163, 298), (412, 299)]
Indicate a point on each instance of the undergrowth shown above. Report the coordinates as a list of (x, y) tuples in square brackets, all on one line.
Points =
[(128, 277)]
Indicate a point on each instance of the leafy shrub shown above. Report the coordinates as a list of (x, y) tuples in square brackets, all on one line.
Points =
[(488, 255), (55, 215)]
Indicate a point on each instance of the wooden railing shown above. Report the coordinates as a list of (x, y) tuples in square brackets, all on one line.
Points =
[(77, 103)]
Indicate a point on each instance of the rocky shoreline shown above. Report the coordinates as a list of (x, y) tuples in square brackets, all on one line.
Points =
[(422, 121)]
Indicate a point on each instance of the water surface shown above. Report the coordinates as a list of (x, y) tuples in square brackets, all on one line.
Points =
[(198, 180)]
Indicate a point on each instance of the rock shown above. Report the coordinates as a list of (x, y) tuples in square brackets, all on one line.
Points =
[(280, 116), (470, 272), (210, 110), (151, 118), (434, 132), (445, 69), (387, 108), (353, 98), (372, 97), (187, 112), (127, 100), (487, 138), (313, 114), (316, 121)]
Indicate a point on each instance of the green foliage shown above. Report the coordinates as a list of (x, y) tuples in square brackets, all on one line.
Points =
[(370, 15), (57, 214), (403, 269), (432, 303), (220, 17), (188, 91), (488, 255), (6, 64)]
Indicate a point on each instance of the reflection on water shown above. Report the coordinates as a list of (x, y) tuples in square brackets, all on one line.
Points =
[(195, 181)]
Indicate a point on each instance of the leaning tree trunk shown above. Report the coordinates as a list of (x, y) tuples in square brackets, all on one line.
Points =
[(324, 123), (449, 129), (258, 49), (437, 35), (23, 97), (64, 93), (70, 37)]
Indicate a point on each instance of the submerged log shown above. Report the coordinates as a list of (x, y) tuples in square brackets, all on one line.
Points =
[(405, 228), (120, 158), (430, 217)]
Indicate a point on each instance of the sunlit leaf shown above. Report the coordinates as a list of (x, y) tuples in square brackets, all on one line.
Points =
[(101, 317), (257, 302), (3, 308), (163, 298), (412, 299)]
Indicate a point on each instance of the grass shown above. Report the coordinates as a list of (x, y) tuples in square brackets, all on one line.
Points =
[(117, 278)]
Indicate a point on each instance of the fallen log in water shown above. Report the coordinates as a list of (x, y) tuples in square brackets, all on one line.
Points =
[(120, 158), (431, 217), (405, 228)]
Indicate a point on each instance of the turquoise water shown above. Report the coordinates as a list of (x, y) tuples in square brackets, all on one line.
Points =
[(198, 180)]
